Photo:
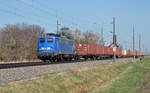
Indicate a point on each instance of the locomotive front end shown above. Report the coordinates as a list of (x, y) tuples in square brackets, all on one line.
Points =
[(46, 47)]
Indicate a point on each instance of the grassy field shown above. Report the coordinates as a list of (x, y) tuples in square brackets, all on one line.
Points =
[(120, 77), (130, 81)]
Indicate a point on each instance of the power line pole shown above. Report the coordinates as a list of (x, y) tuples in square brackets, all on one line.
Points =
[(114, 32), (57, 26), (114, 40), (139, 42), (133, 42), (88, 42)]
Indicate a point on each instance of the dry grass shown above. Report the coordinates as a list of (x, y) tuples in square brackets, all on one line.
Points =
[(75, 69), (21, 61), (129, 81), (78, 80)]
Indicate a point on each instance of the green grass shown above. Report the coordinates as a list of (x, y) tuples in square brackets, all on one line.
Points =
[(126, 77), (130, 81), (146, 62)]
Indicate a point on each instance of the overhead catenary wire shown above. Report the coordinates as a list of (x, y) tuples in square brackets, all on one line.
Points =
[(46, 11), (69, 18), (41, 9), (37, 8), (16, 11), (57, 16), (91, 23), (19, 15)]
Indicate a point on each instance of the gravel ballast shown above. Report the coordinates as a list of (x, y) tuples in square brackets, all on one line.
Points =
[(8, 75)]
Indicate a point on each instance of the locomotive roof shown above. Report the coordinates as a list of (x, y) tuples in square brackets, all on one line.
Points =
[(62, 37)]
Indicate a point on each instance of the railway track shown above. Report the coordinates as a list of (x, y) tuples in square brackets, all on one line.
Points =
[(25, 64), (29, 64), (20, 71)]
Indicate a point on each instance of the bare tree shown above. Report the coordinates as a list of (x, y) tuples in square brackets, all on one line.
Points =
[(91, 37), (19, 41)]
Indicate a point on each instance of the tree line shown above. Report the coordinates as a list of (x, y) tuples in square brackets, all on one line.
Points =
[(19, 41), (91, 37)]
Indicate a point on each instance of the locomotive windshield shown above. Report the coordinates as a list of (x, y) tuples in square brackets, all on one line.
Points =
[(50, 40), (42, 40)]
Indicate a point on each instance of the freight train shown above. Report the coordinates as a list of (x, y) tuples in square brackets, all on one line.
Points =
[(54, 48)]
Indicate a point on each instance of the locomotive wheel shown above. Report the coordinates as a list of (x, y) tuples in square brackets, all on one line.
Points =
[(97, 58), (54, 59), (76, 58)]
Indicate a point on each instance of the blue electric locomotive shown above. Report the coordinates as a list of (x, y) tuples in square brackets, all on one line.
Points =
[(54, 47)]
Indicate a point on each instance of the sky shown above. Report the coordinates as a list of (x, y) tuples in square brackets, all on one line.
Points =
[(85, 15)]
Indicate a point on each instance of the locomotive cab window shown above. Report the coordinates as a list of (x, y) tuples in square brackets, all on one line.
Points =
[(42, 40), (50, 40)]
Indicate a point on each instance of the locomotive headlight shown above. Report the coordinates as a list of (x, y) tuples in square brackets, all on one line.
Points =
[(48, 48), (42, 48)]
